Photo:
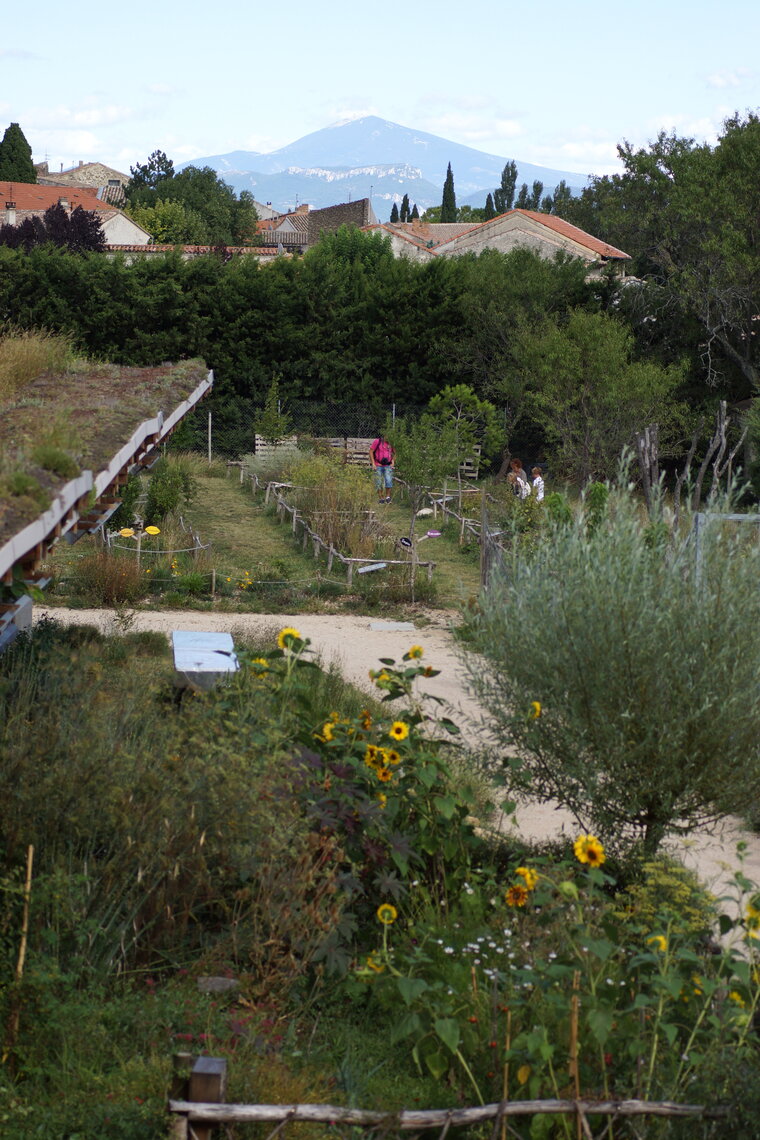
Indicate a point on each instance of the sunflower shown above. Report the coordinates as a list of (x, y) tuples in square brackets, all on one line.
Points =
[(659, 941), (399, 730), (373, 964), (415, 652), (386, 913), (516, 895), (371, 758), (328, 732), (286, 636), (365, 718), (535, 710), (392, 756), (589, 850), (528, 876), (382, 800), (385, 775)]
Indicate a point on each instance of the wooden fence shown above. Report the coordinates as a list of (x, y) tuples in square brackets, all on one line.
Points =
[(200, 1083)]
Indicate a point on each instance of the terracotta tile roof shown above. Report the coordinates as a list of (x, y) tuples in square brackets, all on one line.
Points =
[(559, 226), (32, 196), (396, 232), (437, 232), (259, 250)]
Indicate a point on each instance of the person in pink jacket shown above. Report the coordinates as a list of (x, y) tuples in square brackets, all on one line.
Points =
[(381, 456)]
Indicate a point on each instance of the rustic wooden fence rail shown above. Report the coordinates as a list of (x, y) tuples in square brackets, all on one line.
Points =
[(188, 1115)]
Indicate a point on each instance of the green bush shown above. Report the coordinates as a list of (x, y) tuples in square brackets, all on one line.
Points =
[(172, 486), (643, 665), (55, 459), (108, 578)]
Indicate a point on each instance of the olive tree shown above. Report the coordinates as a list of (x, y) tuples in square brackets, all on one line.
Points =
[(643, 663)]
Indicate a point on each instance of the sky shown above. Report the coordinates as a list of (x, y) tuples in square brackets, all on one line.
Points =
[(555, 83)]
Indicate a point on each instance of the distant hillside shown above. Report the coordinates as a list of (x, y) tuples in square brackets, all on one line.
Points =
[(372, 157)]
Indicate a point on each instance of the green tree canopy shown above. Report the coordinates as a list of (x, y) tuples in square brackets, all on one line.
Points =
[(171, 222), (16, 157), (504, 197)]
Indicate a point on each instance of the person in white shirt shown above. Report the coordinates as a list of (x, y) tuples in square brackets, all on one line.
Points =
[(538, 483)]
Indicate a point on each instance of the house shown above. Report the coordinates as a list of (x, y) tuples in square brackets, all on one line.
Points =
[(20, 200), (403, 244), (302, 228), (97, 176), (546, 234)]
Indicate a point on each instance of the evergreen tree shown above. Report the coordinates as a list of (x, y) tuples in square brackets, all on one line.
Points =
[(535, 197), (449, 200), (415, 213), (490, 209), (561, 198), (16, 157), (523, 198), (394, 212), (504, 197), (404, 214), (150, 174)]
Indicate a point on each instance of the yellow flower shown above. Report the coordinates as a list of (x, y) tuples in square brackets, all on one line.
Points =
[(589, 850), (523, 1073), (659, 941), (327, 731), (529, 877), (382, 799), (752, 921), (384, 774), (392, 756), (737, 997), (373, 964), (260, 661), (535, 710), (386, 913), (127, 532), (399, 730), (371, 758), (286, 635), (366, 719), (380, 677), (516, 896), (152, 530), (415, 652)]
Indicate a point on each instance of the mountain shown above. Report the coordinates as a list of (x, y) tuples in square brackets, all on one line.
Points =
[(372, 157)]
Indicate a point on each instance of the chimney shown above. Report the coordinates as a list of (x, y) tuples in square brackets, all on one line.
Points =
[(10, 213), (81, 162), (63, 202)]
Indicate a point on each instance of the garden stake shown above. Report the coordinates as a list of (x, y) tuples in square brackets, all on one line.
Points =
[(505, 1082), (572, 1067), (13, 1020)]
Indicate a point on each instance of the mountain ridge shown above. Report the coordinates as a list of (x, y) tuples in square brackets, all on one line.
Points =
[(399, 160)]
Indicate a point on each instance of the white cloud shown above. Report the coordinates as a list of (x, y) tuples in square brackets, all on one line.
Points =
[(68, 118), (161, 89), (725, 78), (17, 53)]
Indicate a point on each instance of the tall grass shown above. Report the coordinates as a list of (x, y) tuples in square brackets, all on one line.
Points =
[(338, 501), (25, 354)]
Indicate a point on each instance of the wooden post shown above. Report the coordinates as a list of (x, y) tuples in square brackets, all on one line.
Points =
[(209, 439), (483, 542), (443, 500), (213, 583), (350, 575), (330, 556), (207, 1085)]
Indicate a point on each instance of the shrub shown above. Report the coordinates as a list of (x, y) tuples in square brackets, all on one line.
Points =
[(172, 486), (55, 459), (109, 579), (643, 666)]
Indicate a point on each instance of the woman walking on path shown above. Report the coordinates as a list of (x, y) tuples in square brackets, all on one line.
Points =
[(382, 455)]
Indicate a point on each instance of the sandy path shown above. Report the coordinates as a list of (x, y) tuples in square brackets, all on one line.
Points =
[(354, 643)]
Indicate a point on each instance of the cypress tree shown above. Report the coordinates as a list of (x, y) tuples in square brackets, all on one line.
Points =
[(394, 212), (449, 200), (16, 157), (490, 209), (404, 214), (504, 197), (415, 213)]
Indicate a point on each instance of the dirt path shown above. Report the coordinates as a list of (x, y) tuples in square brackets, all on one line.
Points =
[(357, 642)]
